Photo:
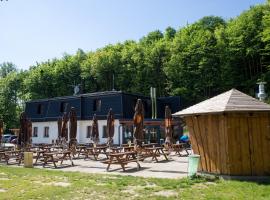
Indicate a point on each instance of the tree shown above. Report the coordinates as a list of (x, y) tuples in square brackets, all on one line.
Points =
[(245, 48), (169, 33), (9, 99), (196, 62), (194, 69), (6, 68)]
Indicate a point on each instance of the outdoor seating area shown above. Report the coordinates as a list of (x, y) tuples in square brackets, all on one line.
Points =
[(116, 158), (65, 152), (135, 100)]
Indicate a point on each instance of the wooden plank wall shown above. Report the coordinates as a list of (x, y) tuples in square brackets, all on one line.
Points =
[(259, 132), (195, 142), (238, 144), (208, 139), (232, 144)]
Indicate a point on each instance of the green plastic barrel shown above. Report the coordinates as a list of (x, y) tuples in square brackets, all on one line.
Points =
[(193, 163)]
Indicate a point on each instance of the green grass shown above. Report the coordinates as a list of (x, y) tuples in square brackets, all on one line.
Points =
[(21, 183)]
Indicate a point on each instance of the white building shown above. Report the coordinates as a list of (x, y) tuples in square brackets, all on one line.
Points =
[(44, 114)]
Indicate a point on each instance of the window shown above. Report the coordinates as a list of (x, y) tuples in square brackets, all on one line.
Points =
[(39, 109), (46, 131), (104, 135), (88, 131), (97, 105), (63, 107), (35, 132), (146, 106), (134, 102)]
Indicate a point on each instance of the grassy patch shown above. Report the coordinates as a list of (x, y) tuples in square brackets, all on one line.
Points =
[(21, 183)]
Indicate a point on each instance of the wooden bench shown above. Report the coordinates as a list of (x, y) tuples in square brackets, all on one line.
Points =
[(122, 159), (154, 152), (81, 150), (178, 148), (7, 155), (55, 157), (91, 152), (4, 156)]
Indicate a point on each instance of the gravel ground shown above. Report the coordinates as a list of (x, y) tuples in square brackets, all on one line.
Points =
[(175, 167)]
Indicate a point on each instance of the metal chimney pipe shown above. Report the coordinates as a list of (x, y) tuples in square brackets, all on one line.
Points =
[(261, 95), (155, 102), (152, 102)]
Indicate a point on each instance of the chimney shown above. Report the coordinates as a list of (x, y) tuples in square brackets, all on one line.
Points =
[(153, 102), (261, 95)]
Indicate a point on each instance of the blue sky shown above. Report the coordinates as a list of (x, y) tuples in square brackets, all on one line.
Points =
[(37, 30)]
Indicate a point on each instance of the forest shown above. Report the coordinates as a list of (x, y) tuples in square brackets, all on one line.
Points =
[(196, 62)]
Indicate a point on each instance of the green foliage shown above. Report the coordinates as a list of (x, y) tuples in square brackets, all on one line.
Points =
[(196, 62), (10, 106), (6, 68)]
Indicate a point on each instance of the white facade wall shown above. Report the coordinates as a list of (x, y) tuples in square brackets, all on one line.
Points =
[(81, 131), (53, 132)]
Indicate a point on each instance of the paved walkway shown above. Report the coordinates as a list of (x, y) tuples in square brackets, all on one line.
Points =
[(175, 167)]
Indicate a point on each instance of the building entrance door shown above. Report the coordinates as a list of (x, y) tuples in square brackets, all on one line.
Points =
[(152, 134)]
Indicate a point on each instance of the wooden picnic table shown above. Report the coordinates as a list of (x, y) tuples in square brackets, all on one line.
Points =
[(122, 159), (95, 151), (39, 154), (4, 156), (49, 149), (154, 152), (115, 149), (54, 157), (7, 155), (81, 149), (101, 149), (150, 145), (178, 148), (128, 148)]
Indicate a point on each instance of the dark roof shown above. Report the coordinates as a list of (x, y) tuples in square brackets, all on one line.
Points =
[(122, 104), (94, 94)]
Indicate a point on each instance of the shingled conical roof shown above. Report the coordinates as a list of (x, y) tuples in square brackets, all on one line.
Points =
[(230, 101)]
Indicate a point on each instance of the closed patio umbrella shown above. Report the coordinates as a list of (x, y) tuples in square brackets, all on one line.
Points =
[(23, 135), (72, 125), (138, 123), (168, 125), (64, 130), (110, 126), (59, 125), (1, 130), (29, 131), (94, 131)]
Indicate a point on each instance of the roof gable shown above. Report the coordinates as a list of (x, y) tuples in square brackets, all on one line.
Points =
[(232, 100)]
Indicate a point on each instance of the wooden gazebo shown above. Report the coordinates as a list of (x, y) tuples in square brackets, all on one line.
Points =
[(231, 133)]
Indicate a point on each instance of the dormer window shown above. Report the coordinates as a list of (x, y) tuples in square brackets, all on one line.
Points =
[(63, 107), (39, 109), (145, 106), (134, 102), (97, 105)]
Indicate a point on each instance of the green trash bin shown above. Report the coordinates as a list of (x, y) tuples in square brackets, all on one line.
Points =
[(193, 163)]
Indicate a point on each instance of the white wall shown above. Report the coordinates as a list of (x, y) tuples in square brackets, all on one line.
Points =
[(53, 132), (81, 131)]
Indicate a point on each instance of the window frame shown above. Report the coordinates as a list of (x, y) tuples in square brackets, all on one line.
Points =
[(97, 105), (104, 129), (46, 133), (63, 106), (39, 109), (35, 131), (88, 131)]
